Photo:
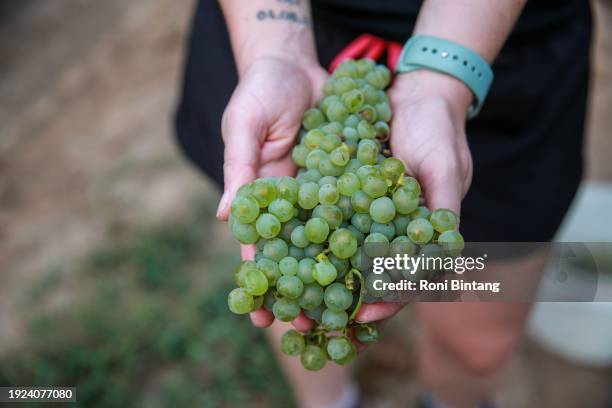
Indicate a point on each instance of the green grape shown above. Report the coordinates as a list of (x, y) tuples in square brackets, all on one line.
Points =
[(384, 73), (334, 320), (313, 250), (443, 219), (313, 138), (245, 190), (366, 333), (299, 154), (309, 176), (350, 134), (342, 243), (255, 282), (275, 249), (328, 180), (328, 194), (383, 111), (382, 210), (405, 200), (352, 121), (421, 212), (334, 128), (288, 266), (367, 170), (382, 129), (376, 79), (292, 343), (241, 271), (337, 112), (270, 269), (340, 156), (379, 159), (376, 245), (368, 113), (402, 245), (353, 165), (327, 101), (327, 168), (344, 204), (288, 188), (287, 229), (339, 348), (268, 226), (311, 297), (353, 100), (360, 260), (361, 202), (371, 95), (364, 65), (245, 233), (387, 229), (314, 158), (343, 85), (324, 273), (452, 242), (281, 209), (359, 236), (316, 230), (240, 301), (308, 196), (363, 222), (392, 168), (371, 286), (420, 231), (305, 269), (313, 118), (330, 142), (264, 191), (350, 357), (374, 186), (245, 209), (401, 222), (299, 238), (285, 309), (411, 184), (330, 213), (348, 183), (289, 286), (366, 131), (295, 252), (313, 358), (337, 297)]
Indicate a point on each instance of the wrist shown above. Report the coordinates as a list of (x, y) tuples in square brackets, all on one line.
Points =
[(424, 85)]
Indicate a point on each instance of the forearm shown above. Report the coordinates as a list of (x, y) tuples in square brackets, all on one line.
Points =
[(269, 28), (480, 25)]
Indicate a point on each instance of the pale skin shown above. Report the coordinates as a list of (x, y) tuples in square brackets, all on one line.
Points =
[(462, 346)]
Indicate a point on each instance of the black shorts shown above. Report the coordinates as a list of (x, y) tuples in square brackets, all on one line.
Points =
[(526, 143)]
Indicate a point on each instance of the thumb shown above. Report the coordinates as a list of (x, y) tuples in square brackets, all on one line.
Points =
[(241, 157)]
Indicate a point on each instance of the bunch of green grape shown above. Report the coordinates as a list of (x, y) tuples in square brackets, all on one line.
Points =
[(312, 231)]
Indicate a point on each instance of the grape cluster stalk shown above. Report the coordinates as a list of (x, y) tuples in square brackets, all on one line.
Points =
[(313, 232)]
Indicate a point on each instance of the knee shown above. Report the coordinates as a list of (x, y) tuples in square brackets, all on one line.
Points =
[(479, 355)]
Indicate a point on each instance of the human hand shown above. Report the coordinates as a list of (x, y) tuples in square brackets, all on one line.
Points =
[(428, 135), (262, 119)]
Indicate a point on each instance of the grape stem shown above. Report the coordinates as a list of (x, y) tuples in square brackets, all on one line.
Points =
[(361, 293)]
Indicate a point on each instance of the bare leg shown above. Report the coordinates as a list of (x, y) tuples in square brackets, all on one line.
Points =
[(312, 389), (464, 347)]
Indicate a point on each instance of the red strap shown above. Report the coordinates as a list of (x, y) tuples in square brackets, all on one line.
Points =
[(368, 46)]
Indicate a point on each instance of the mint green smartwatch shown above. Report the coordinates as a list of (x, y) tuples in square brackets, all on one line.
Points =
[(437, 54)]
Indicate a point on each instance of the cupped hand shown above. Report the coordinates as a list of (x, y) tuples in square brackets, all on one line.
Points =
[(428, 135), (262, 119)]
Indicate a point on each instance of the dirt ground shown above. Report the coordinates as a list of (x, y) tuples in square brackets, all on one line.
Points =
[(88, 91)]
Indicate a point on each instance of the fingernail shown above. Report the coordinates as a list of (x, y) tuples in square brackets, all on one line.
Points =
[(222, 204)]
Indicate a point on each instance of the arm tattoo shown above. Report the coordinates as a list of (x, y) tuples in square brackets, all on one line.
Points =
[(284, 15)]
